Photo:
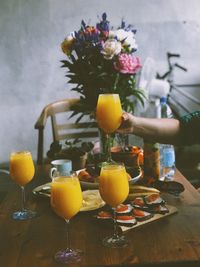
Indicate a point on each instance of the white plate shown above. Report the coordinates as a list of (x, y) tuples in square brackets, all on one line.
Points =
[(43, 190), (91, 198), (89, 185)]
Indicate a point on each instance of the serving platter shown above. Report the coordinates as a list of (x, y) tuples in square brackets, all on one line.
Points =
[(156, 217)]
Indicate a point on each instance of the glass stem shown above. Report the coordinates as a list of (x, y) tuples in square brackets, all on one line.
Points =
[(115, 233), (23, 198), (108, 148), (67, 235)]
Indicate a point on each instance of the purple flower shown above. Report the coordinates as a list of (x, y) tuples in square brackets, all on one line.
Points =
[(127, 63), (103, 25)]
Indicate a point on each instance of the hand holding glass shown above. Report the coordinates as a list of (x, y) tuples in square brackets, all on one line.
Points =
[(66, 201), (22, 171), (108, 115), (114, 189)]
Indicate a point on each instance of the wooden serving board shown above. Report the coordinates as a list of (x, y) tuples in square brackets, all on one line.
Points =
[(156, 217)]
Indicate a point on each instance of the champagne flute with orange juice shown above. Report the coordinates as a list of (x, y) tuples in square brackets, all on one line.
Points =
[(22, 171), (114, 189), (108, 115), (66, 201)]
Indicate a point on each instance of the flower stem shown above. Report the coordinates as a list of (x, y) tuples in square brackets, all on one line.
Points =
[(108, 148), (116, 82)]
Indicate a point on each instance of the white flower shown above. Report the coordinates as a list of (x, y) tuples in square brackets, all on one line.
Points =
[(120, 34), (126, 37), (130, 43), (111, 48)]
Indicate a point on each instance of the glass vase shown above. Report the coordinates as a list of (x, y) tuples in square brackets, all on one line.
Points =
[(106, 143)]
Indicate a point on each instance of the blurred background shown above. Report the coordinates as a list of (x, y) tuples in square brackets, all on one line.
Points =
[(30, 70)]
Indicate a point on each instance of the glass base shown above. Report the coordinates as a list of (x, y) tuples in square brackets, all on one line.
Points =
[(68, 256), (24, 215), (115, 242)]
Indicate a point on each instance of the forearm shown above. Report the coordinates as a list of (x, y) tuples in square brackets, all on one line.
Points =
[(157, 130)]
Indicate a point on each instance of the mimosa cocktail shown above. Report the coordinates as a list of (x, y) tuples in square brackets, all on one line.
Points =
[(109, 112), (66, 196), (114, 189), (66, 201), (21, 167), (108, 116), (22, 171)]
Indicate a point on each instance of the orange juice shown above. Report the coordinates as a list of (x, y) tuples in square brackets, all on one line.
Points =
[(113, 184), (21, 167), (109, 112), (66, 196)]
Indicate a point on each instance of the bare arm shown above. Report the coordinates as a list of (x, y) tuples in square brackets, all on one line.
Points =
[(154, 130)]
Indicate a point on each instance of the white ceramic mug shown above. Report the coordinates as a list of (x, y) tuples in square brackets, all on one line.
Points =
[(62, 166)]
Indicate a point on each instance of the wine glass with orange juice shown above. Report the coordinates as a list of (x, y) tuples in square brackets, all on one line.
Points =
[(66, 201), (114, 189), (22, 171), (108, 116)]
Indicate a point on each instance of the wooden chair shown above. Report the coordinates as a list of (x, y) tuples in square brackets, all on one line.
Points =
[(62, 131)]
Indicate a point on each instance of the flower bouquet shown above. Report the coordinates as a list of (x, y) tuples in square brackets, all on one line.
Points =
[(101, 59)]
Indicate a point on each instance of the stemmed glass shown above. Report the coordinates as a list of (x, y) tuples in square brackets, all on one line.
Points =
[(22, 171), (66, 201), (108, 116), (114, 189)]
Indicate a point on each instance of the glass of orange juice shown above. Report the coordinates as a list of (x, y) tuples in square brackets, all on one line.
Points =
[(114, 189), (22, 171), (108, 116), (66, 201)]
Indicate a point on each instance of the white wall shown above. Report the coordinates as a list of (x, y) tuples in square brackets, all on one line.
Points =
[(31, 33)]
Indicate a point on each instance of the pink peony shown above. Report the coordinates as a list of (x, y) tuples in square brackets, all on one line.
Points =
[(127, 63)]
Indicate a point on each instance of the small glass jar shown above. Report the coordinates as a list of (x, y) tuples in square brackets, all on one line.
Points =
[(151, 162)]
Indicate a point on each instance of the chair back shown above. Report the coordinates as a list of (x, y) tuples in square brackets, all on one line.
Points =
[(63, 128)]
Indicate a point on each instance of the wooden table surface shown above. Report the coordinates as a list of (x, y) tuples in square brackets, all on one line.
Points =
[(172, 241)]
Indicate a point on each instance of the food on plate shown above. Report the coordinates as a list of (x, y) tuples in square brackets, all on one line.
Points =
[(139, 202), (161, 209), (126, 220), (125, 217), (154, 199), (122, 208), (86, 176), (104, 215), (142, 189), (91, 200), (123, 220), (139, 190), (141, 215)]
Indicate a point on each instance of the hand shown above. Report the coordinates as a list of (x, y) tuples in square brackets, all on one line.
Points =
[(127, 124)]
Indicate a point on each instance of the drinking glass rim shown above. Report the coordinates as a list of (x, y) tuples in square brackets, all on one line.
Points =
[(109, 94), (64, 178), (118, 164), (20, 152)]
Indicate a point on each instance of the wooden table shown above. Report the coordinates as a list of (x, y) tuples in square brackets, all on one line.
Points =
[(172, 241)]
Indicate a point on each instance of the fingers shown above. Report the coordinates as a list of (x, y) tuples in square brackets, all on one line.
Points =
[(122, 127), (125, 116)]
